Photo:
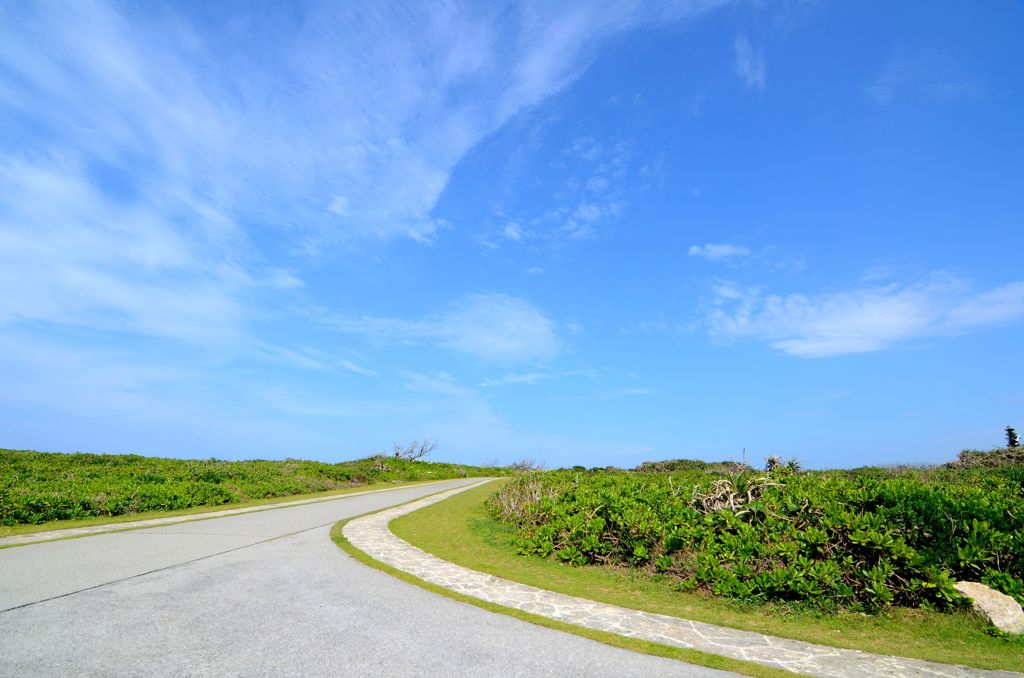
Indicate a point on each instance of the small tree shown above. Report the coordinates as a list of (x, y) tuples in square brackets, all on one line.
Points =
[(414, 450), (772, 462), (1011, 437)]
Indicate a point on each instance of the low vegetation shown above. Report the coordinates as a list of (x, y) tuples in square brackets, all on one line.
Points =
[(37, 487), (1001, 456), (862, 540), (464, 530)]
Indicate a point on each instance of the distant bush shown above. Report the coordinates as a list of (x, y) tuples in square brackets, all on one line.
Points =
[(861, 540), (38, 486), (1000, 456), (526, 464), (677, 465)]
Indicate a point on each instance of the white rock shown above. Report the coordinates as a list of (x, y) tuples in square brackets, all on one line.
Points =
[(998, 608)]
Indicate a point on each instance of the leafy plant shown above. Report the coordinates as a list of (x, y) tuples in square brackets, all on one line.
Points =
[(860, 540)]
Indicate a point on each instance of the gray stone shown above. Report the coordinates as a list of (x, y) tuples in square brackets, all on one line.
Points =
[(1002, 611)]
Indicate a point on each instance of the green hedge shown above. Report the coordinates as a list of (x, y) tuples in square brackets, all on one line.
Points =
[(860, 540)]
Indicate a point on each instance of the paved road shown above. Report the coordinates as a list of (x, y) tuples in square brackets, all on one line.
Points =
[(264, 594)]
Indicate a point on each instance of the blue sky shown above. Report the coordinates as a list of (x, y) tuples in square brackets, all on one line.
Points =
[(584, 233)]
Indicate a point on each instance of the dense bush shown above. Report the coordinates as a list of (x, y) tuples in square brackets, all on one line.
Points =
[(1000, 456), (860, 540), (39, 486), (681, 465)]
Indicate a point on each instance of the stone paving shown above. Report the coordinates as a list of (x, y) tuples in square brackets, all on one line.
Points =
[(371, 535)]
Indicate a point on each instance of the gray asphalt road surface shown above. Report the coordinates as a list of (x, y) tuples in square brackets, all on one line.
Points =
[(265, 594)]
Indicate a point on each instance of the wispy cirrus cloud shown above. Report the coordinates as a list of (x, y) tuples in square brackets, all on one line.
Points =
[(492, 327), (513, 378), (70, 256), (344, 123), (865, 319), (749, 63), (926, 73), (717, 251), (628, 392), (608, 394), (595, 188), (152, 159), (439, 383), (165, 173)]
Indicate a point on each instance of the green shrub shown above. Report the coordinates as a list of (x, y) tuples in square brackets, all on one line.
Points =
[(680, 465), (1000, 456), (860, 540)]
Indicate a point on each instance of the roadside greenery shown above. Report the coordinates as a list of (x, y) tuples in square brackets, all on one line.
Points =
[(37, 487), (861, 540), (463, 530)]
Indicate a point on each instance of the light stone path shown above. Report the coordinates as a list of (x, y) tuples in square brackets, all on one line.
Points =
[(52, 535), (371, 535)]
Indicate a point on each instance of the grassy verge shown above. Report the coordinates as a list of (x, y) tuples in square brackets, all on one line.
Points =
[(460, 530), (269, 502), (42, 487), (680, 654)]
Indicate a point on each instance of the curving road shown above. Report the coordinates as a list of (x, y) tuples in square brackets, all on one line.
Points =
[(264, 594)]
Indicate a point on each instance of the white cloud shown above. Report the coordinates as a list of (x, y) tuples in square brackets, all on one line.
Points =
[(862, 319), (339, 206), (626, 393), (513, 231), (155, 165), (70, 256), (281, 119), (440, 383), (583, 220), (280, 279), (584, 148), (492, 327), (512, 378), (498, 327), (535, 270), (749, 63), (716, 252), (595, 192), (929, 74), (310, 359), (140, 147), (357, 369)]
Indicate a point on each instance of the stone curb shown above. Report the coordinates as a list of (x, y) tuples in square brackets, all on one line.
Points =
[(371, 535), (51, 535)]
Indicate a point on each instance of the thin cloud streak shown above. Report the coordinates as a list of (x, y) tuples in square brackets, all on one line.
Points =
[(512, 379), (929, 74), (491, 327), (166, 145), (749, 63), (717, 252)]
